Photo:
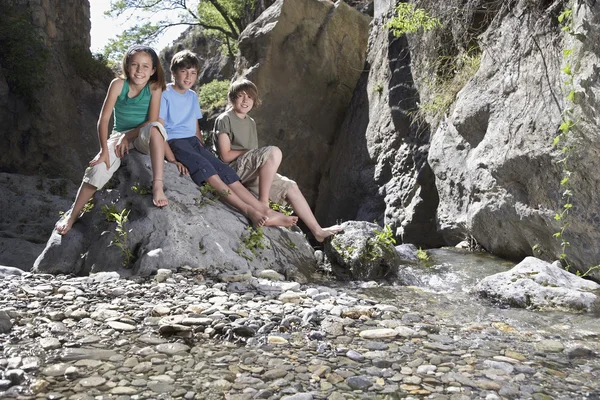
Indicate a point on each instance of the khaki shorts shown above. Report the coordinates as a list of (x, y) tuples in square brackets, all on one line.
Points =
[(98, 175), (247, 165)]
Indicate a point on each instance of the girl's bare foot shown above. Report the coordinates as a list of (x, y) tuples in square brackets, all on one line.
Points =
[(257, 218), (64, 224), (158, 195), (279, 219), (323, 233)]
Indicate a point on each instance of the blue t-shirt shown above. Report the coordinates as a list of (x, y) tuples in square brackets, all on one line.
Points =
[(180, 112)]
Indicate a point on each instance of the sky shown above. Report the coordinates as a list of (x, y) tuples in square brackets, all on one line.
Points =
[(104, 28)]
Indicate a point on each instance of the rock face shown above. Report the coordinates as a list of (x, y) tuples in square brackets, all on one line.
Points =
[(191, 231), (536, 284), (305, 56), (29, 208), (497, 173), (378, 169), (215, 64), (56, 135)]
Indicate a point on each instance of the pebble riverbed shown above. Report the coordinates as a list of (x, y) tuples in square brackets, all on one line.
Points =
[(181, 336)]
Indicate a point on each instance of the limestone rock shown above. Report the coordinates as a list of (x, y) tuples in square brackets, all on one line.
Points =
[(305, 56), (355, 253), (497, 173), (536, 284), (191, 231)]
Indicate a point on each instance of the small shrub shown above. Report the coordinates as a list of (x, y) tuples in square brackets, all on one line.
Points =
[(109, 212), (254, 241), (121, 238), (213, 95), (422, 255), (141, 189), (409, 19), (23, 54), (286, 210)]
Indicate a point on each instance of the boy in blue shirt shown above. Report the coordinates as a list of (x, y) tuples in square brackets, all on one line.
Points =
[(179, 114)]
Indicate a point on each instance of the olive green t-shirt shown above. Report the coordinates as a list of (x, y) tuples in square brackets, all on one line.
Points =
[(242, 132)]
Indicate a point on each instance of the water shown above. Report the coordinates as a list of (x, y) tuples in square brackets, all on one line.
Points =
[(443, 288)]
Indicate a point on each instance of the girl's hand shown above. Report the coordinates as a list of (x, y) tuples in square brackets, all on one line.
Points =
[(182, 169), (122, 147), (101, 157)]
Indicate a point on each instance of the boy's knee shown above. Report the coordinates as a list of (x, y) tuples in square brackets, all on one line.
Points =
[(275, 154)]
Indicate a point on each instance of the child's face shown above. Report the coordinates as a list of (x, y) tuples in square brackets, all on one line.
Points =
[(243, 103), (140, 68), (185, 78)]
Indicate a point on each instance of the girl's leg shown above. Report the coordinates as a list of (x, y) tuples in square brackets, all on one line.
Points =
[(230, 197), (157, 158), (275, 218), (85, 193), (266, 173), (301, 207)]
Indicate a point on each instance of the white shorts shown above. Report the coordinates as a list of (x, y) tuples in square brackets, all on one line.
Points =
[(98, 175)]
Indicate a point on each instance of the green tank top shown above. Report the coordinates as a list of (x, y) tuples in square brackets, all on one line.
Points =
[(131, 112)]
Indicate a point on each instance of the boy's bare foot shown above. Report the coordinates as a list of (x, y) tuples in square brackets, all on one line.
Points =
[(279, 219), (64, 224), (323, 233), (257, 218), (158, 195)]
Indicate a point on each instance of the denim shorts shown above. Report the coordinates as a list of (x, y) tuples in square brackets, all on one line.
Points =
[(201, 163)]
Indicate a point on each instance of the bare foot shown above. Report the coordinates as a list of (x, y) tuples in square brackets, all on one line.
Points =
[(158, 195), (64, 224), (324, 233), (279, 219), (257, 218)]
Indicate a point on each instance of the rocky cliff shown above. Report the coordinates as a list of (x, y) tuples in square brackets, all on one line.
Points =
[(49, 128)]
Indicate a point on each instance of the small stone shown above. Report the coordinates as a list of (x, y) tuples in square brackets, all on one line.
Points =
[(120, 326), (383, 333)]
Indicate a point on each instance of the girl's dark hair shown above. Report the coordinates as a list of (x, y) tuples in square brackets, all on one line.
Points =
[(158, 77), (243, 85)]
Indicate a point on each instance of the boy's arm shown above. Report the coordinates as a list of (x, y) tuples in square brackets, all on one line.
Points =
[(224, 147), (199, 133), (107, 109)]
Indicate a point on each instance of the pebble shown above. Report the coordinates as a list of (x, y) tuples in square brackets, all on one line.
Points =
[(175, 336)]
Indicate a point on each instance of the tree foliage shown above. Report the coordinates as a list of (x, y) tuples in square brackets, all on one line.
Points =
[(219, 18)]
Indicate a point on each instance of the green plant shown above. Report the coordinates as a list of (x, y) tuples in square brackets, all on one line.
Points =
[(23, 54), (213, 95), (253, 240), (92, 67), (121, 238), (452, 73), (568, 123), (109, 211), (286, 210), (378, 88), (409, 19), (141, 189), (422, 255), (210, 195)]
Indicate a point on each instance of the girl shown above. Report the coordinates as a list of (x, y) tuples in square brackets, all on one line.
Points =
[(135, 99)]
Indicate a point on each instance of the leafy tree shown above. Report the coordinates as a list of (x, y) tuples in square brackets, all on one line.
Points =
[(219, 18)]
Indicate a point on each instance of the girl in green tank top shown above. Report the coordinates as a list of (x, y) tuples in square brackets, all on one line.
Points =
[(134, 97)]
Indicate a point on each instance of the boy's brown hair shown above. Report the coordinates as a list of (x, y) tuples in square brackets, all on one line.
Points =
[(243, 85), (185, 59)]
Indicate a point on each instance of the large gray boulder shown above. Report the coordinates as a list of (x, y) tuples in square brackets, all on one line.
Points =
[(536, 284), (497, 173), (191, 231), (305, 56)]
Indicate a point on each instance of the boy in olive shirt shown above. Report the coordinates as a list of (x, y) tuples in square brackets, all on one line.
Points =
[(237, 144)]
